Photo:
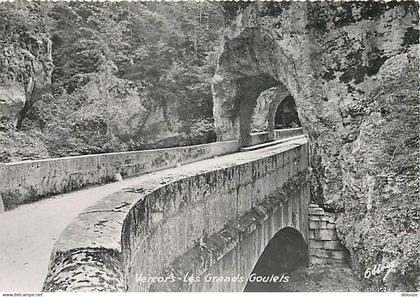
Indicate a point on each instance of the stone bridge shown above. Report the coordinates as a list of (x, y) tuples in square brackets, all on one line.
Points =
[(209, 219)]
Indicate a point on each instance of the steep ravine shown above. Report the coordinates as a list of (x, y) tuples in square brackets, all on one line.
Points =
[(352, 69)]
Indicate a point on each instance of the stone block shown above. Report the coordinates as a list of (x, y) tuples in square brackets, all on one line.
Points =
[(324, 234), (316, 211), (315, 244), (320, 253), (332, 245), (330, 226), (328, 217), (317, 225), (314, 218), (330, 220), (317, 261)]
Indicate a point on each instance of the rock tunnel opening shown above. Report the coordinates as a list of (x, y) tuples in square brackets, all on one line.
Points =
[(275, 108), (250, 89), (245, 95), (285, 252), (286, 114)]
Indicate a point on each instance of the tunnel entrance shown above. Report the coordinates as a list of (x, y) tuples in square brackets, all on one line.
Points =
[(287, 115), (286, 252)]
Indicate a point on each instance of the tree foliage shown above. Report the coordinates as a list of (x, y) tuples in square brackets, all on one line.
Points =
[(118, 65)]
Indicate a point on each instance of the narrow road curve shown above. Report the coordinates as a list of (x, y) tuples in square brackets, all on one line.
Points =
[(28, 233)]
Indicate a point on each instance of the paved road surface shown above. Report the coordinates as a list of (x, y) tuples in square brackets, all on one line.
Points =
[(28, 233)]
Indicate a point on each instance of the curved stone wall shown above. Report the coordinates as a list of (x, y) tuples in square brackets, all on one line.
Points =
[(138, 232)]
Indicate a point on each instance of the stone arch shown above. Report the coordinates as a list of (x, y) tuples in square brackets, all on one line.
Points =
[(250, 89), (285, 252), (263, 118)]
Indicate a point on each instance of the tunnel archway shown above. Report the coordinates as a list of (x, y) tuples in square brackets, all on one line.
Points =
[(284, 253), (250, 89), (263, 117), (240, 79), (286, 115)]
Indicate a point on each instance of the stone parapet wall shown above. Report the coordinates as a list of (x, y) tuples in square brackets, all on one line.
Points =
[(324, 246), (262, 137), (27, 181), (286, 133), (23, 182)]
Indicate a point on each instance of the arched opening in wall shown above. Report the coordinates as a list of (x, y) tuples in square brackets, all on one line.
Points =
[(287, 115), (249, 89), (286, 252), (265, 110)]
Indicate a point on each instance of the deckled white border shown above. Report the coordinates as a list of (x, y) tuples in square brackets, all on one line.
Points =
[(380, 1), (160, 294), (213, 294)]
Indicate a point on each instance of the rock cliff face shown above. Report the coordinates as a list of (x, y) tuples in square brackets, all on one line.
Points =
[(25, 74), (352, 69), (26, 66), (18, 94)]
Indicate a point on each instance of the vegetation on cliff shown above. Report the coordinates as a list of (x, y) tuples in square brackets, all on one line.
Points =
[(382, 227)]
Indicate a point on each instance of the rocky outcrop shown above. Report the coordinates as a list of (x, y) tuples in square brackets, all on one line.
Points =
[(25, 75), (352, 69), (26, 68), (12, 100)]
